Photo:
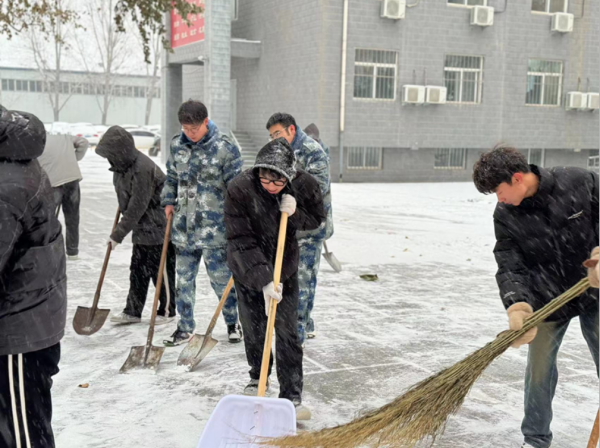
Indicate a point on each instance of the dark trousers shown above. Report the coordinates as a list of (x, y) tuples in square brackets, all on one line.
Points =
[(68, 196), (288, 350), (145, 263), (36, 371)]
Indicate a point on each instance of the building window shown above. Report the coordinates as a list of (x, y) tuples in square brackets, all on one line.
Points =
[(450, 158), (536, 156), (21, 86), (234, 9), (364, 158), (375, 74), (463, 79), (544, 82), (594, 163), (468, 2), (549, 6), (8, 84)]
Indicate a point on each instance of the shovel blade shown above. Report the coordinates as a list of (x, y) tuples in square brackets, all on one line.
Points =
[(136, 357), (196, 350), (85, 323), (333, 262)]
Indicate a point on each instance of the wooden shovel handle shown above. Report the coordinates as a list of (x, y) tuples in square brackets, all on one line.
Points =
[(264, 367), (104, 267), (213, 321), (159, 281), (593, 443)]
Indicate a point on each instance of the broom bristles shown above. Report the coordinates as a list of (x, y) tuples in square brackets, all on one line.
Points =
[(421, 413)]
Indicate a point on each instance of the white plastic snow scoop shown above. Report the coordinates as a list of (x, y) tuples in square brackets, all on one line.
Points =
[(239, 421)]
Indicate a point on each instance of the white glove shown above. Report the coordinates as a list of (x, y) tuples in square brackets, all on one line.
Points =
[(288, 204), (269, 292), (113, 243)]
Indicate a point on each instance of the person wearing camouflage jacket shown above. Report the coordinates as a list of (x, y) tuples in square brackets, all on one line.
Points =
[(201, 163), (310, 157)]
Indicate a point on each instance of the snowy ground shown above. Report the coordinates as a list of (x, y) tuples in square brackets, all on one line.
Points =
[(435, 302)]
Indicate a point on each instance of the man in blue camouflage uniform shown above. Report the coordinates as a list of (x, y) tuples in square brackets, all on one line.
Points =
[(311, 158), (201, 163)]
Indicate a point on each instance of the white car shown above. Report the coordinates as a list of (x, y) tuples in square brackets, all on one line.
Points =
[(87, 131), (100, 129), (130, 126), (143, 138), (59, 127), (153, 128)]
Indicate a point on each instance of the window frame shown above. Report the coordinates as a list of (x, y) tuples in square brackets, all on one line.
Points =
[(543, 158), (595, 163), (451, 167), (547, 11), (464, 4), (235, 10), (479, 83), (376, 66), (363, 150), (544, 75)]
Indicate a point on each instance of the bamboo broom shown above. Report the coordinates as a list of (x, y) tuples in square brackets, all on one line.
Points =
[(421, 413)]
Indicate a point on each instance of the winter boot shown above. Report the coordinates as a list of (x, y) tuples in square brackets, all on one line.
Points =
[(72, 257), (311, 334), (526, 445), (302, 412), (252, 388), (162, 320), (235, 333), (123, 318), (178, 338)]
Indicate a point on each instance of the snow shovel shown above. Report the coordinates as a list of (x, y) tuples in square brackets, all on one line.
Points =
[(593, 442), (246, 421), (87, 321), (201, 344), (148, 356), (333, 262)]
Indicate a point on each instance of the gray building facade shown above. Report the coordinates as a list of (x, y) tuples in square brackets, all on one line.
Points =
[(505, 82)]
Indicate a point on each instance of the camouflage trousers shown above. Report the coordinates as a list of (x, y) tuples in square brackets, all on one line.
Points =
[(310, 259), (187, 264)]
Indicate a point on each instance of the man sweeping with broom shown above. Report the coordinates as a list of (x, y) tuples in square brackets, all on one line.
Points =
[(546, 224), (253, 205)]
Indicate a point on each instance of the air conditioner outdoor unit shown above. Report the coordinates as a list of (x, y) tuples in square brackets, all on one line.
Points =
[(562, 22), (593, 101), (413, 94), (482, 15), (435, 95), (393, 9), (576, 101)]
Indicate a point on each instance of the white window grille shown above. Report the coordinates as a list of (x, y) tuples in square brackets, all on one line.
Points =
[(468, 3), (375, 74), (594, 163), (536, 156), (364, 158), (544, 82), (463, 77), (450, 158), (549, 6)]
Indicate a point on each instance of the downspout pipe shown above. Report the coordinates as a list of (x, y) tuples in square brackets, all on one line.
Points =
[(343, 87)]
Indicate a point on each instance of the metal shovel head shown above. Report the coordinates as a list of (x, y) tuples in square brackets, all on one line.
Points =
[(196, 350), (81, 321), (244, 421), (136, 358), (333, 262)]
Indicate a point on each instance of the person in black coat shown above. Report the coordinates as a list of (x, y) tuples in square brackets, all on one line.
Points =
[(138, 183), (253, 206), (546, 224), (33, 285)]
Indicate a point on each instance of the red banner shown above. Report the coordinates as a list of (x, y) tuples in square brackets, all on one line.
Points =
[(181, 34)]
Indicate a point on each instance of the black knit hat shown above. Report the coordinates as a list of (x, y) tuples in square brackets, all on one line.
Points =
[(277, 155)]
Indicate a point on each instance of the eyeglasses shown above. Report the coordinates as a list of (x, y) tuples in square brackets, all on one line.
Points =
[(277, 183), (191, 129), (277, 134)]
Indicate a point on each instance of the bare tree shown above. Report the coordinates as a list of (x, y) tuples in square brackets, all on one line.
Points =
[(152, 66), (103, 51), (48, 43)]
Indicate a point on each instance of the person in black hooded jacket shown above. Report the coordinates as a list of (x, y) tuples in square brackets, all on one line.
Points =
[(253, 206), (33, 285), (138, 182), (546, 224)]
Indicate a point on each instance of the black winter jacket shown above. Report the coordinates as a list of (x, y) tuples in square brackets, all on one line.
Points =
[(33, 282), (138, 182), (252, 220), (542, 243)]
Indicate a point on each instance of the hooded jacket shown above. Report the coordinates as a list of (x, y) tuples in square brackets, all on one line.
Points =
[(252, 218), (61, 156), (33, 282), (542, 243), (138, 182)]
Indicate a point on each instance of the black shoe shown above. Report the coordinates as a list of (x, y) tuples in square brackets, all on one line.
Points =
[(251, 389), (178, 338), (235, 333)]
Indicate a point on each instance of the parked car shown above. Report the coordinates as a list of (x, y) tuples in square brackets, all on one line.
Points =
[(59, 127), (87, 131), (130, 126), (153, 128), (100, 129), (143, 139), (155, 149)]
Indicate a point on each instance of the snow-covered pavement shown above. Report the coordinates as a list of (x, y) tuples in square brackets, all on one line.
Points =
[(436, 301)]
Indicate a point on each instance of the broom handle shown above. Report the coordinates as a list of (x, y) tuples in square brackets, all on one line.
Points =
[(264, 367), (593, 443)]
